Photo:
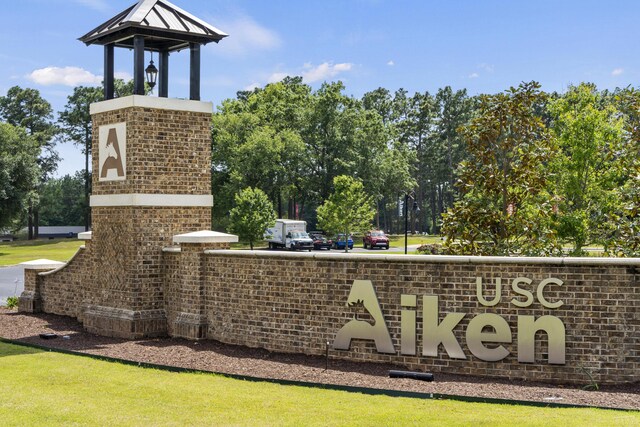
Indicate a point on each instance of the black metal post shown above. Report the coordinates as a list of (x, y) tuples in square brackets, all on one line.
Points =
[(138, 65), (406, 221), (163, 87), (108, 71), (194, 93)]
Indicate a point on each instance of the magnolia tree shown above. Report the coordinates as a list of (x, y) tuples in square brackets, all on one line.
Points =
[(504, 207), (348, 209), (252, 215)]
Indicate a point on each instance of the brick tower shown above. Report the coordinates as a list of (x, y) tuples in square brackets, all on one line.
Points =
[(151, 181), (151, 169)]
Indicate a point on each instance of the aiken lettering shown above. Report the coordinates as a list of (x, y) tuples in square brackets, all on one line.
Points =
[(482, 329)]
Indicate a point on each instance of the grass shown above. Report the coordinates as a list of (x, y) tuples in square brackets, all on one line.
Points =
[(418, 239), (62, 249), (48, 388)]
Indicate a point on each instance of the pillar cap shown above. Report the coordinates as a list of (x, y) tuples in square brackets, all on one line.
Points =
[(85, 236), (205, 236), (41, 264), (143, 101)]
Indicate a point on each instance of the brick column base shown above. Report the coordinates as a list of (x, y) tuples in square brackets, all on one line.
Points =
[(190, 321), (122, 323)]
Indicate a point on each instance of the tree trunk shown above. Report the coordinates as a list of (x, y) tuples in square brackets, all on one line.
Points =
[(434, 212), (36, 223), (30, 222)]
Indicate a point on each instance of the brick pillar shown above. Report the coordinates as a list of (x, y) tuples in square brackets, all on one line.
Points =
[(30, 300), (151, 181), (190, 320)]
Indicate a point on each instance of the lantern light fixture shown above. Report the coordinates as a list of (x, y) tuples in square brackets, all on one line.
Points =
[(152, 73)]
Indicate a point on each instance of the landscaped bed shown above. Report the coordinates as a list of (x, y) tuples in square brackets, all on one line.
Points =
[(218, 357)]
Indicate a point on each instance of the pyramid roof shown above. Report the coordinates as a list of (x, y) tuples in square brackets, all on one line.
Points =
[(164, 26)]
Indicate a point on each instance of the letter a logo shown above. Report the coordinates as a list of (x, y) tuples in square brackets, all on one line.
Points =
[(363, 294), (112, 152)]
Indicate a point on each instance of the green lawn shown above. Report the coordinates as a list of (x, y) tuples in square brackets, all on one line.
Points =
[(12, 253), (398, 240), (48, 388)]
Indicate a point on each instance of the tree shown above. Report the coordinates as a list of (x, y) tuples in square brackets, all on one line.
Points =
[(62, 201), (589, 135), (18, 172), (76, 126), (256, 142), (27, 109), (504, 207), (348, 209), (252, 215), (624, 238)]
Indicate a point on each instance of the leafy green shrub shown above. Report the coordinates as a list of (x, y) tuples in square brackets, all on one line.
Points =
[(12, 302), (432, 249)]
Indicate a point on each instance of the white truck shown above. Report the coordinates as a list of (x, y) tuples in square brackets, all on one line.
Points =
[(290, 234)]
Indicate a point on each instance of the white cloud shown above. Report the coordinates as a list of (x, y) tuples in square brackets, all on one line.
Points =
[(99, 5), (617, 71), (245, 36), (121, 75), (310, 73), (473, 75), (324, 71), (391, 63), (67, 76), (251, 87), (276, 77)]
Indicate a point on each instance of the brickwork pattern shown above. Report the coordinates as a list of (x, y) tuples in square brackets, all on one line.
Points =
[(297, 304), (168, 152), (63, 292), (185, 290)]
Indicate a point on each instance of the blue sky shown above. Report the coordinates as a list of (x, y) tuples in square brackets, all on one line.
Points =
[(483, 46)]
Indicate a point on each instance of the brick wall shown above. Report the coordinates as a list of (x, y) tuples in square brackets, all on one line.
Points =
[(63, 292), (297, 302)]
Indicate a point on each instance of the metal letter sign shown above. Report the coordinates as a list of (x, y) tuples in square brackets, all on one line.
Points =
[(112, 152), (362, 293), (483, 331)]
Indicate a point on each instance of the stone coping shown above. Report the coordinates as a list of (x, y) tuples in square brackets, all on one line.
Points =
[(85, 236), (151, 200), (205, 236), (42, 264), (144, 101), (444, 259)]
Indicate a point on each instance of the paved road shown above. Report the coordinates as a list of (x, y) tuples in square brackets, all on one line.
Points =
[(11, 282)]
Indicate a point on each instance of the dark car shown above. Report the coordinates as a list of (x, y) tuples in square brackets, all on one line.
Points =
[(375, 239), (320, 242)]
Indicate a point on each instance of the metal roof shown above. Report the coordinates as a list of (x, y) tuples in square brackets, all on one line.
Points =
[(164, 26)]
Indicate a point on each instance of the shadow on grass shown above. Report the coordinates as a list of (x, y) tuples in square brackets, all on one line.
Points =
[(7, 349)]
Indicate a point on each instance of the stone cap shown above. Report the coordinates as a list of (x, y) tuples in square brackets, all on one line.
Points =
[(42, 264), (442, 259), (205, 236), (85, 236), (144, 101)]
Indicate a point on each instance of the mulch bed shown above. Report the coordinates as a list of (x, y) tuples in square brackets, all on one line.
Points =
[(218, 357)]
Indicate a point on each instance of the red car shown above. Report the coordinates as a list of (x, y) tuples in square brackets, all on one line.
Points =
[(375, 239), (319, 241)]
